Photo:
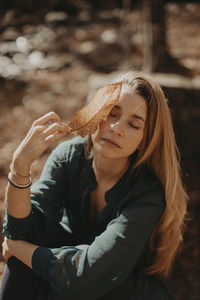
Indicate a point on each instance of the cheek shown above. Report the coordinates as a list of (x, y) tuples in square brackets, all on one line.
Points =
[(136, 136), (140, 136), (97, 133), (103, 125)]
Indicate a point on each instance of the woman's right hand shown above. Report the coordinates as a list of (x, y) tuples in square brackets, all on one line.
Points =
[(42, 133)]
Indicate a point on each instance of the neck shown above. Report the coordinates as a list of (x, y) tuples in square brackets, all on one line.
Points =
[(107, 170)]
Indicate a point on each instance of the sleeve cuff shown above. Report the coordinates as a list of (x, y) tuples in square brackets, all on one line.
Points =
[(40, 261), (15, 228)]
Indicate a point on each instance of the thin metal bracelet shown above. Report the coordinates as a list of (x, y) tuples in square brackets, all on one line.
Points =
[(18, 175), (19, 186)]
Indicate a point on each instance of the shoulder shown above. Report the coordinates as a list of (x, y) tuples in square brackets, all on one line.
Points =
[(145, 183), (145, 200)]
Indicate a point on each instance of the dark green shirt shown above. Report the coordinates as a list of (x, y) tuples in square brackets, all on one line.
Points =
[(110, 264)]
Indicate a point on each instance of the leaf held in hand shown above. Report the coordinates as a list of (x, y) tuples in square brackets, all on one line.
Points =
[(86, 120)]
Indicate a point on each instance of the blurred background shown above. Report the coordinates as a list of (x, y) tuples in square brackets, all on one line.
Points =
[(55, 53)]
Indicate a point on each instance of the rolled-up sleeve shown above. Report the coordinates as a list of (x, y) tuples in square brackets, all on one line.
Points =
[(108, 261), (42, 226)]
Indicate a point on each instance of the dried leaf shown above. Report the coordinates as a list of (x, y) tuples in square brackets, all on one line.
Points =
[(86, 120)]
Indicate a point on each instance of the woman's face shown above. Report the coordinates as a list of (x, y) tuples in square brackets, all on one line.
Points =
[(120, 134)]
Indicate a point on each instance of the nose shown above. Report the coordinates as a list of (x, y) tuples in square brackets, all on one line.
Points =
[(116, 128)]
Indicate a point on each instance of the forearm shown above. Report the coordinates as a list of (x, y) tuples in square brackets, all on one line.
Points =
[(17, 201), (39, 137)]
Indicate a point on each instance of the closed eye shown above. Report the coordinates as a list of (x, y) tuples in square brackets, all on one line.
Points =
[(134, 126), (112, 115)]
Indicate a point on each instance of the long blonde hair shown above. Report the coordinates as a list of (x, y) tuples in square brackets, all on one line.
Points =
[(159, 151)]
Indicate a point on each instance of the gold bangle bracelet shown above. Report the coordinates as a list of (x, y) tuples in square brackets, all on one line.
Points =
[(19, 186)]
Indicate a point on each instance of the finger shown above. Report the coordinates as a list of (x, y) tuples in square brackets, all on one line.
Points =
[(34, 131), (50, 122), (47, 117), (54, 137), (56, 127)]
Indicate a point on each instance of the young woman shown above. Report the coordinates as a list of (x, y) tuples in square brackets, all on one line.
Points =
[(105, 220)]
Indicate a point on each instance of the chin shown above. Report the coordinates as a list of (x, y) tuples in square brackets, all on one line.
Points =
[(103, 151)]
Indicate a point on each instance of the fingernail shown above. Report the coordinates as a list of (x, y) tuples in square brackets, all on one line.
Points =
[(49, 123)]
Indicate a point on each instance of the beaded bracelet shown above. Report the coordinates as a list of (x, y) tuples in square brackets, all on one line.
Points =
[(19, 186), (18, 175)]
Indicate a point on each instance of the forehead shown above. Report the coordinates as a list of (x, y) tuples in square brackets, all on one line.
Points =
[(131, 102)]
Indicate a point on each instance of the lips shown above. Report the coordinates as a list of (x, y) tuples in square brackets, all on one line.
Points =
[(110, 141)]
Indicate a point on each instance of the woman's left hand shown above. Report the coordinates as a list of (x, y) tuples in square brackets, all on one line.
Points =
[(6, 249), (22, 250)]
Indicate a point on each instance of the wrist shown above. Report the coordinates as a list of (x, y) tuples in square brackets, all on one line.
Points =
[(20, 167)]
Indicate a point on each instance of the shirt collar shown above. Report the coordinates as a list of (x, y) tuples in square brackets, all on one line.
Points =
[(122, 182)]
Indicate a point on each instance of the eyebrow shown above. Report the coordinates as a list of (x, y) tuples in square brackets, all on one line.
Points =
[(134, 115)]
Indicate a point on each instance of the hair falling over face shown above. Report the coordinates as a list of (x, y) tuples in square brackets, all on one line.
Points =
[(159, 145)]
